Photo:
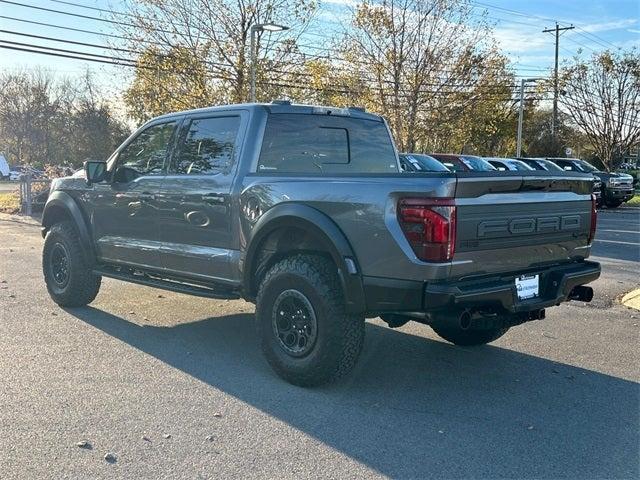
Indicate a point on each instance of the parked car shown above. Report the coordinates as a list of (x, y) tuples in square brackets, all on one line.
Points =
[(463, 163), (17, 172), (541, 164), (5, 171), (549, 166), (617, 188), (304, 211), (419, 162), (508, 164)]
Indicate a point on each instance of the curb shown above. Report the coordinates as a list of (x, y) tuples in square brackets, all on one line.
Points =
[(632, 299)]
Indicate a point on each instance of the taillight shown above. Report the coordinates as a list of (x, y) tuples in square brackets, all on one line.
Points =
[(429, 224), (594, 218)]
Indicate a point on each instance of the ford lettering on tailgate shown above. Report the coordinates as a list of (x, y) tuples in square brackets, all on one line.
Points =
[(528, 225)]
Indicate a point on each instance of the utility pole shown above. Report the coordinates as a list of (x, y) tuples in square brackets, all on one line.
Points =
[(554, 121)]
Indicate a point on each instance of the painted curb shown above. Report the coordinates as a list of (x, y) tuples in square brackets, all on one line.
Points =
[(632, 299)]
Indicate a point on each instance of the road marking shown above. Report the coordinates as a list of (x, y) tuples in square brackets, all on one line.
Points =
[(615, 241), (617, 231)]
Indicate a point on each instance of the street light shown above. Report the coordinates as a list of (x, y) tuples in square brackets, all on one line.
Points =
[(260, 27), (519, 141)]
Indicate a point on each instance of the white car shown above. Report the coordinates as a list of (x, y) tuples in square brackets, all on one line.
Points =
[(5, 171)]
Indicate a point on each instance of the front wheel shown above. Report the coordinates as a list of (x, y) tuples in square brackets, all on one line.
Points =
[(306, 334), (69, 279)]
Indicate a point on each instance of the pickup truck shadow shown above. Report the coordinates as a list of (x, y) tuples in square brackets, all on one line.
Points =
[(415, 407)]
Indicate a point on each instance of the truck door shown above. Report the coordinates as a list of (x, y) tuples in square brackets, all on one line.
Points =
[(124, 212), (195, 205)]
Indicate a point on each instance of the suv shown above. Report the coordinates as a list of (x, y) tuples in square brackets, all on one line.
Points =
[(617, 188), (305, 211)]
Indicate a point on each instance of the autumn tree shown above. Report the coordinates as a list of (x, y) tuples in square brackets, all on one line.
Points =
[(424, 63), (198, 51), (602, 97)]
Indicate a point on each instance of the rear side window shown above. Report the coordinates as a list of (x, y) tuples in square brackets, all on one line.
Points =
[(207, 146), (299, 143)]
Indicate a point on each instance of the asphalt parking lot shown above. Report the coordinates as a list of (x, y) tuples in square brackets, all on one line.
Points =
[(618, 234), (175, 387)]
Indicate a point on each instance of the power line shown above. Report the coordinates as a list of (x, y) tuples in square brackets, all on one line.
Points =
[(79, 30), (127, 62), (314, 47), (208, 62)]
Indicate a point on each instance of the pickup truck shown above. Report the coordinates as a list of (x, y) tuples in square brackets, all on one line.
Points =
[(616, 188), (304, 211)]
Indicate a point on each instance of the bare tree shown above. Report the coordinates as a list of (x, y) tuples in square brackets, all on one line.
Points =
[(46, 120), (602, 96)]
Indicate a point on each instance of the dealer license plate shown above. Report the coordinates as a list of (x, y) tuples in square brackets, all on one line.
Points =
[(527, 286)]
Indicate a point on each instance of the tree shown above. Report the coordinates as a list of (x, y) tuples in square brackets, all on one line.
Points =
[(602, 96), (425, 63), (49, 121), (197, 51)]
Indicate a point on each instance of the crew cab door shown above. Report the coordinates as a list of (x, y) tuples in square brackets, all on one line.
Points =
[(125, 216), (195, 204)]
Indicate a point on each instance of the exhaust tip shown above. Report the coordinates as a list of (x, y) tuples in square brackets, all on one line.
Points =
[(581, 293)]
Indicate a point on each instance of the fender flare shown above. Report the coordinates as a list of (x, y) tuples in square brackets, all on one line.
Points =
[(61, 201), (325, 230)]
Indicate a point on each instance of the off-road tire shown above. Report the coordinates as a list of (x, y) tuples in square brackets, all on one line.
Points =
[(82, 285), (340, 335), (470, 337), (613, 203)]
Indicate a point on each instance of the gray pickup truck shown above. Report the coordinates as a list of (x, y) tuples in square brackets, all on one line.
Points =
[(304, 211)]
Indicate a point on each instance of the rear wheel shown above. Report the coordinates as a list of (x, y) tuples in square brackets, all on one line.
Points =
[(470, 337), (613, 203), (69, 279), (306, 334)]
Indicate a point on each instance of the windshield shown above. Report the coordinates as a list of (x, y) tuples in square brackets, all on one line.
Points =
[(476, 163), (424, 163), (585, 166), (518, 165), (550, 165)]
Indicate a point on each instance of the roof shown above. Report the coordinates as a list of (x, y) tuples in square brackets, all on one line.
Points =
[(281, 106)]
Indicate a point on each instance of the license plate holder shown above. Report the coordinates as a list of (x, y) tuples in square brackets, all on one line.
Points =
[(527, 286)]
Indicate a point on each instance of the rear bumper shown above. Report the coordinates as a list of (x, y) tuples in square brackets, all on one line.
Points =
[(495, 292), (556, 284)]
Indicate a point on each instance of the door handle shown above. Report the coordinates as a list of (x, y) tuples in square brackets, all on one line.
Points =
[(214, 198)]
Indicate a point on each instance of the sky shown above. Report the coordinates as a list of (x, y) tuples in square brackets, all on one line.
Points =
[(518, 26)]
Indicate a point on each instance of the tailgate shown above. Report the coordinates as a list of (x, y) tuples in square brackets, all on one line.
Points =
[(515, 222)]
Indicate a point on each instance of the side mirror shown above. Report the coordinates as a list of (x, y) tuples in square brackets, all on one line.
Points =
[(95, 171)]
